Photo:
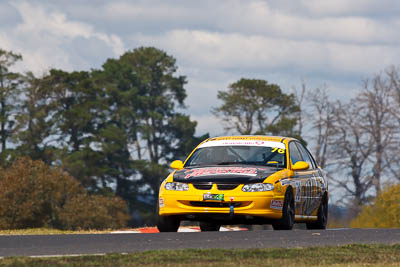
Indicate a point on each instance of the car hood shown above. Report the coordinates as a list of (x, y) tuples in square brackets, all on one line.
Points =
[(227, 174)]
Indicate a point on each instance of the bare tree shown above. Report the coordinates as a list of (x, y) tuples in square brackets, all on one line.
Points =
[(300, 99), (377, 120), (392, 153), (365, 138), (322, 123), (357, 142), (393, 74), (352, 147)]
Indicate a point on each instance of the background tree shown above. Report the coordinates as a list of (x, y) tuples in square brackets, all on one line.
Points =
[(115, 128), (391, 154), (74, 109), (160, 132), (384, 212), (322, 122), (352, 148), (36, 195), (376, 105), (160, 93), (35, 127), (300, 97), (355, 141), (9, 86), (118, 125), (253, 106)]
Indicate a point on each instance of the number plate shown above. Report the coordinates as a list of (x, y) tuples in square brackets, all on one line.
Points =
[(219, 197)]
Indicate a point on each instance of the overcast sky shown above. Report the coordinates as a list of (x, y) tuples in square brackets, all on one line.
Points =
[(215, 42)]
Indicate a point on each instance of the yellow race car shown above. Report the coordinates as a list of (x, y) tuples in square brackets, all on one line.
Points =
[(245, 180)]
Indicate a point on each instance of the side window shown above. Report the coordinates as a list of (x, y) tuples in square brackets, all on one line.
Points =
[(312, 158), (294, 153), (306, 156)]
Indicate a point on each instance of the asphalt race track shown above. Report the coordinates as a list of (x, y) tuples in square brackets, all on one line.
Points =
[(55, 245)]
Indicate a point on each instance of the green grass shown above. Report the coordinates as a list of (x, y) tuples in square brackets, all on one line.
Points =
[(349, 255), (48, 231)]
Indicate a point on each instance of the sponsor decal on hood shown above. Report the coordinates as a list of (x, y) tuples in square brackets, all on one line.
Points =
[(235, 174), (221, 171)]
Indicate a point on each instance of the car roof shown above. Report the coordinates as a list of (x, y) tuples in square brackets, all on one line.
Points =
[(251, 137)]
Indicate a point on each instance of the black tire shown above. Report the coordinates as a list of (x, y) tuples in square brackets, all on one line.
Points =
[(322, 220), (288, 212), (168, 223), (207, 226)]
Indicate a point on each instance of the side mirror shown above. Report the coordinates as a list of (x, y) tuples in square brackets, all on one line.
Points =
[(177, 165), (300, 166)]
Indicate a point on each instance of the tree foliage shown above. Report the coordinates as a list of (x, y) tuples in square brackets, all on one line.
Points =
[(36, 195), (94, 212), (159, 93), (9, 86), (253, 106), (33, 121), (141, 128), (383, 213), (114, 128)]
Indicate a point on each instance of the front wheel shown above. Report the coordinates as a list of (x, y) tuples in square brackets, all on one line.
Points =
[(168, 224), (322, 217), (207, 226), (288, 212)]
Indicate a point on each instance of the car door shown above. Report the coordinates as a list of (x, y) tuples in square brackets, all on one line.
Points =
[(302, 181), (314, 193)]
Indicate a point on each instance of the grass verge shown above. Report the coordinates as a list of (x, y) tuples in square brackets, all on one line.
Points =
[(349, 255), (48, 231)]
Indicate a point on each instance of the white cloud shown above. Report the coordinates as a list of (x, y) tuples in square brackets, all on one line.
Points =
[(129, 10), (202, 88), (344, 7), (235, 51), (44, 38), (362, 60), (5, 42), (259, 18), (256, 17)]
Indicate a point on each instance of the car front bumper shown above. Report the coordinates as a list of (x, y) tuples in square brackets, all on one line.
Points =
[(190, 204)]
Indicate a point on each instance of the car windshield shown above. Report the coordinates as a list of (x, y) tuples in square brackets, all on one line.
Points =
[(232, 155)]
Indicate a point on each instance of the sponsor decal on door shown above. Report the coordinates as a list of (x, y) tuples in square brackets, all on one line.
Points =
[(276, 204)]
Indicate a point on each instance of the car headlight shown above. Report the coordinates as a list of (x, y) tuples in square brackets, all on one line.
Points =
[(257, 187), (177, 186)]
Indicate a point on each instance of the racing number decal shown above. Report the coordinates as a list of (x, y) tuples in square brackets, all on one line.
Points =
[(279, 150)]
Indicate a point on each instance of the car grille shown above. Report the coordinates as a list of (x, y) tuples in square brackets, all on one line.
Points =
[(202, 186), (208, 186), (227, 186), (214, 204)]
